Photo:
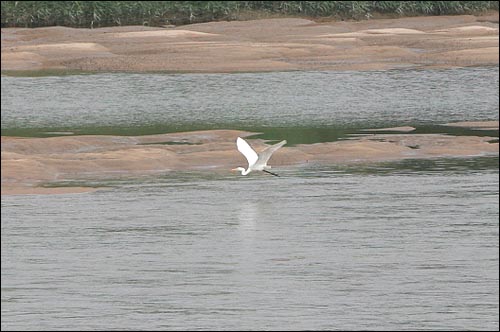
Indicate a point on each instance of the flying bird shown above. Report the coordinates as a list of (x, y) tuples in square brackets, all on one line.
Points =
[(256, 162)]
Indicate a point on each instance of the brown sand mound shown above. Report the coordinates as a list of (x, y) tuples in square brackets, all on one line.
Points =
[(484, 125), (29, 162)]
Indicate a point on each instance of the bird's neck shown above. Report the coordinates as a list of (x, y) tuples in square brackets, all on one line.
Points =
[(245, 171)]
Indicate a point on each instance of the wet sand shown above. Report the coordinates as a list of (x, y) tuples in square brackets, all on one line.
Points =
[(259, 45), (30, 163), (478, 125)]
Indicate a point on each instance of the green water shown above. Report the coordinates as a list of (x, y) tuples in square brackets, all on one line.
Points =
[(301, 107)]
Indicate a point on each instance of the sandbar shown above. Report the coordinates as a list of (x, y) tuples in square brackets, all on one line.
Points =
[(277, 44), (29, 164)]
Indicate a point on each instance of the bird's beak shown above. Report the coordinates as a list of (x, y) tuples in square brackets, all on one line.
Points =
[(234, 169)]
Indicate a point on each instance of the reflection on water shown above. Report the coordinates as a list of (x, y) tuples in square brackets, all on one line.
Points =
[(248, 216), (317, 248)]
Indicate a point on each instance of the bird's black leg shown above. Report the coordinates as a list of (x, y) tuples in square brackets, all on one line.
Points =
[(270, 173)]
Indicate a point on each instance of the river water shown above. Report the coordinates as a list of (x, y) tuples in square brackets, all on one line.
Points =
[(302, 107), (388, 246)]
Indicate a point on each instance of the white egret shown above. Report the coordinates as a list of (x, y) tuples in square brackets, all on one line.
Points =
[(256, 162)]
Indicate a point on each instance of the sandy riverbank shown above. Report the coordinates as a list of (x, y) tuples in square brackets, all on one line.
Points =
[(259, 45), (29, 162)]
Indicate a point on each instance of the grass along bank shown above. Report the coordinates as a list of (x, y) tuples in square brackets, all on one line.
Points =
[(93, 14)]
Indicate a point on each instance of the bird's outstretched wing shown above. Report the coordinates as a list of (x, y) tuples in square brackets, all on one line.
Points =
[(267, 153), (247, 151)]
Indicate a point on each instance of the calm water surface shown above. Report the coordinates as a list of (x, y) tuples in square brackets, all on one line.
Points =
[(302, 107), (391, 246)]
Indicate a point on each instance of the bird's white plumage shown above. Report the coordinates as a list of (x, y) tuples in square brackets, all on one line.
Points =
[(247, 151), (256, 162)]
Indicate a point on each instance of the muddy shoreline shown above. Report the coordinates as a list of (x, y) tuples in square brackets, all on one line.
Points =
[(30, 163), (280, 44)]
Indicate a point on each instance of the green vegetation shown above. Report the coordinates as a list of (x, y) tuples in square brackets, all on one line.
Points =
[(156, 13)]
